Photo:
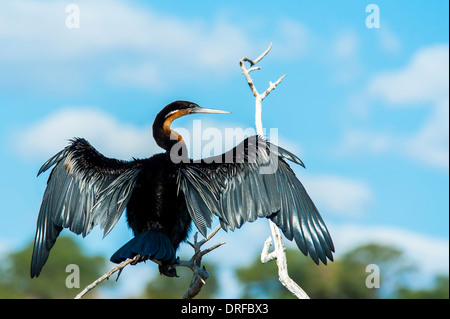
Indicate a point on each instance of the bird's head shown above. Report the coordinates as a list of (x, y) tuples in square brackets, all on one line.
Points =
[(180, 108), (172, 111)]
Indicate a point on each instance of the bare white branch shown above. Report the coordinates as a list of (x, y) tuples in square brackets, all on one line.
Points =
[(262, 55), (258, 97), (280, 255), (254, 68), (267, 256), (272, 86), (279, 251), (248, 77)]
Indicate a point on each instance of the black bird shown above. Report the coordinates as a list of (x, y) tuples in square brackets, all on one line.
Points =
[(164, 193)]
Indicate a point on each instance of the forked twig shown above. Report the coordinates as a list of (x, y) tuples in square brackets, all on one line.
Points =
[(200, 274), (258, 97)]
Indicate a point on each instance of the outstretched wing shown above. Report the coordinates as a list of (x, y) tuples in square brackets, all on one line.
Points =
[(251, 181), (84, 189)]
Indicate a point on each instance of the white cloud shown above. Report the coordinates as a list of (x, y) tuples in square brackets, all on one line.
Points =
[(339, 195), (389, 42), (203, 135), (430, 144), (161, 46), (104, 132), (164, 41), (424, 81), (125, 44), (356, 141), (294, 39), (144, 75), (346, 45), (347, 64)]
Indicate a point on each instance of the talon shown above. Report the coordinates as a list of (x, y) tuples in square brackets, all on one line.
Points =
[(139, 259)]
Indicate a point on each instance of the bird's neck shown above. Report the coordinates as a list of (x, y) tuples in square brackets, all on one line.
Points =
[(169, 139)]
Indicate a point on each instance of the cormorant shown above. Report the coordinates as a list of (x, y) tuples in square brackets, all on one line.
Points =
[(164, 193)]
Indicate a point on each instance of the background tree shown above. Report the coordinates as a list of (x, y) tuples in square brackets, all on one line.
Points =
[(343, 278), (15, 281), (394, 269), (440, 290)]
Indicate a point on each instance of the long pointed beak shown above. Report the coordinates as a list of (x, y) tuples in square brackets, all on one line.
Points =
[(205, 110)]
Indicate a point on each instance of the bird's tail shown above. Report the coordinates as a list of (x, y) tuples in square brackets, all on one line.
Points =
[(152, 244)]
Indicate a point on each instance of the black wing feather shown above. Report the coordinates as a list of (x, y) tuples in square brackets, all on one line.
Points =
[(84, 189), (241, 191)]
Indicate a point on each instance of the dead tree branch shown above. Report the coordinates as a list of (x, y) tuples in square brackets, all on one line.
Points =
[(280, 255), (200, 274), (105, 276), (258, 97), (279, 251)]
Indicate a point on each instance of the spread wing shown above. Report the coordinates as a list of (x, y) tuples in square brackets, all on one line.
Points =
[(84, 189), (251, 181)]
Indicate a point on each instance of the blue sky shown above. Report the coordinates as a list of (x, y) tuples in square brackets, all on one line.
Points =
[(366, 109)]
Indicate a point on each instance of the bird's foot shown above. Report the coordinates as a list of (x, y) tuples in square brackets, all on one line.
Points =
[(138, 259), (167, 270)]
